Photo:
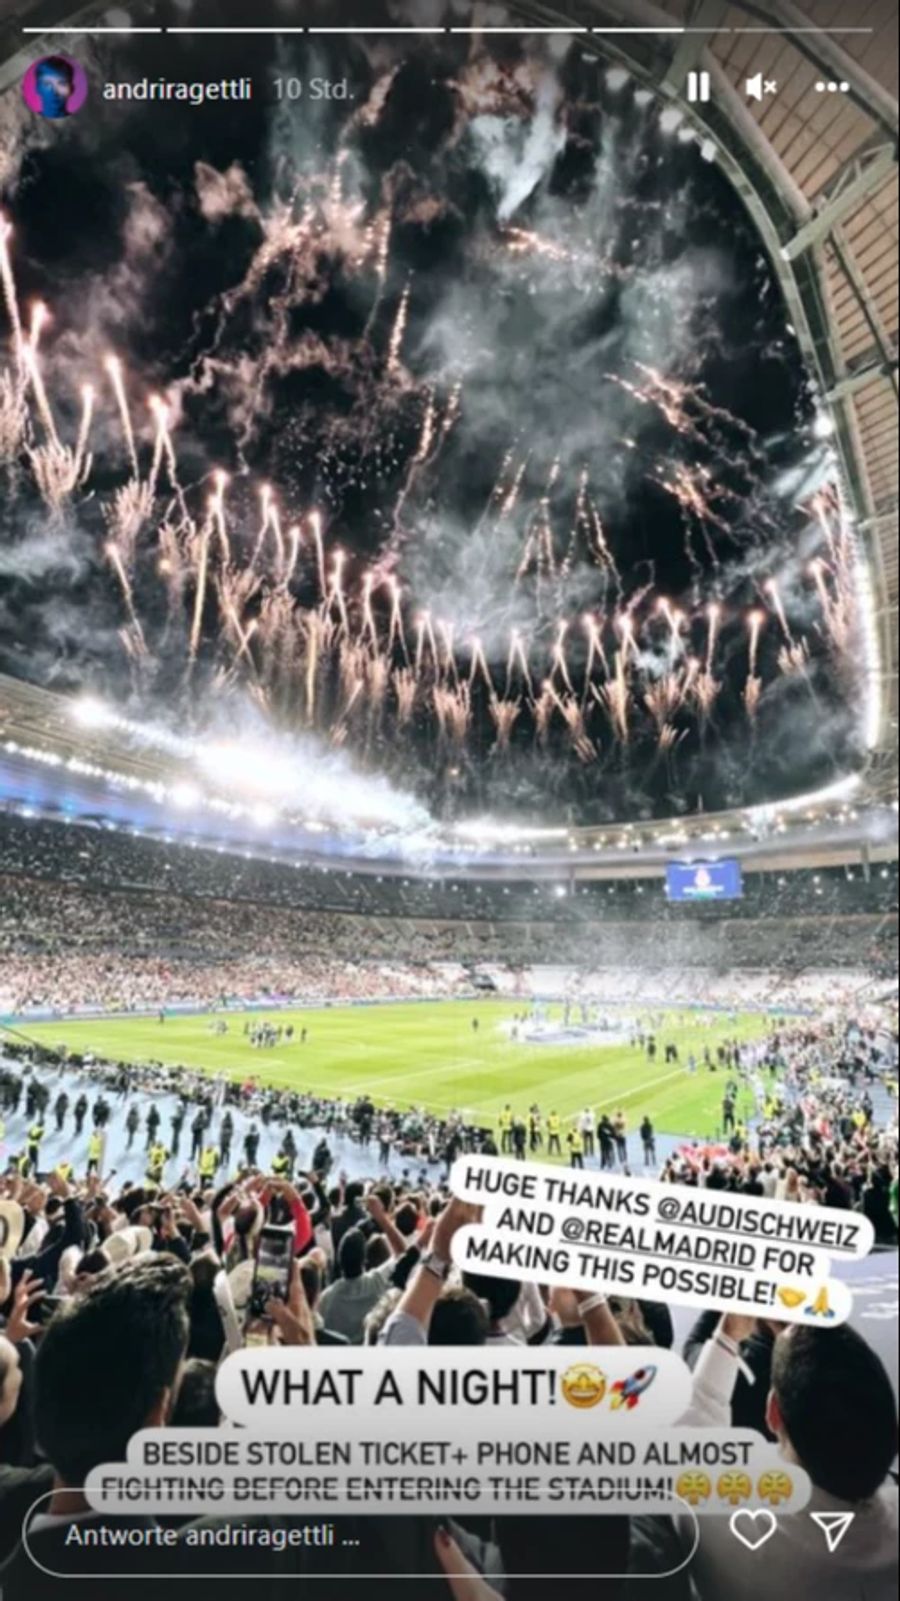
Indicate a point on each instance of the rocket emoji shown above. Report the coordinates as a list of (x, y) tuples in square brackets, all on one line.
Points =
[(628, 1392)]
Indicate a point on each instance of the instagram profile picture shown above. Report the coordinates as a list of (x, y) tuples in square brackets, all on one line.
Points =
[(55, 87)]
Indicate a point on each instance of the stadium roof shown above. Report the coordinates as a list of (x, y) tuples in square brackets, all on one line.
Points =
[(821, 181)]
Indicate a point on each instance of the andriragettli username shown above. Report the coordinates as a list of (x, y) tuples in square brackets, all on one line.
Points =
[(196, 93)]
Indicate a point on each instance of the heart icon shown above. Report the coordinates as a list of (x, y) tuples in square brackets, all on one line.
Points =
[(754, 1529)]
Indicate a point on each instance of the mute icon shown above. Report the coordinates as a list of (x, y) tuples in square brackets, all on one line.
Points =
[(758, 87)]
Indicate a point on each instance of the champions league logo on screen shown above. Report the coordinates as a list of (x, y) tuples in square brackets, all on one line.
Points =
[(706, 881)]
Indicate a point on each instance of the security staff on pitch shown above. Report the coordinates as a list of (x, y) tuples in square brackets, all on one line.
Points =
[(554, 1128), (281, 1165), (506, 1128), (209, 1164), (156, 1163), (35, 1137), (95, 1151)]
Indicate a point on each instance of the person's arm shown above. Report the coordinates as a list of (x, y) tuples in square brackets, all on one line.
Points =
[(45, 1265), (293, 1319), (410, 1323), (465, 1583), (597, 1316), (716, 1374), (382, 1219)]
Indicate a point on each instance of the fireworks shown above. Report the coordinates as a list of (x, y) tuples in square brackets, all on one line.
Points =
[(260, 595)]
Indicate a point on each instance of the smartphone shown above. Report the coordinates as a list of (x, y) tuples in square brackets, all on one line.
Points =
[(272, 1272)]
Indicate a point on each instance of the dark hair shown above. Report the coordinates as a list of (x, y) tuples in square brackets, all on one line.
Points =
[(353, 1193), (352, 1254), (838, 1409), (57, 64), (501, 1295), (377, 1251), (196, 1406), (407, 1220), (458, 1319), (207, 1334), (93, 1263), (106, 1361)]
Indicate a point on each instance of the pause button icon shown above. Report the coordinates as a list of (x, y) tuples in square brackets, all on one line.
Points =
[(699, 87)]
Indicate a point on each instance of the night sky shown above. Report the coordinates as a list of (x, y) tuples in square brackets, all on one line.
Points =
[(547, 241)]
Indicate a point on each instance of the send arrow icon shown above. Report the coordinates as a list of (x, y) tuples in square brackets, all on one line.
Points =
[(834, 1526)]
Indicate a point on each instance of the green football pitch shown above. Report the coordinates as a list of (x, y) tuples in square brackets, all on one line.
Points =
[(430, 1055)]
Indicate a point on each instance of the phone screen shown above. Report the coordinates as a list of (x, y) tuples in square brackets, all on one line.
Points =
[(272, 1274)]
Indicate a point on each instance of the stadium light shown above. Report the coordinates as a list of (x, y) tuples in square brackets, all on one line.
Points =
[(91, 713), (185, 796)]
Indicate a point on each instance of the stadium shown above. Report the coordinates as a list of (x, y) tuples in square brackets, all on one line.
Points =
[(448, 666)]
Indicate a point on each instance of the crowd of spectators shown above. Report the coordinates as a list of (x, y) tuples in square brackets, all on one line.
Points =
[(96, 918), (813, 1135), (121, 1302)]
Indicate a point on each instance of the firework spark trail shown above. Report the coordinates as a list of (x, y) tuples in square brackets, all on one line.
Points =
[(518, 657), (397, 630), (315, 636), (511, 500), (13, 421), (114, 372), (127, 595), (336, 597), (596, 650), (666, 697), (405, 689), (560, 664), (573, 716), (625, 629), (33, 373), (10, 298), (265, 502), (160, 416), (295, 540), (448, 661), (602, 553), (478, 665), (713, 623), (793, 659), (774, 594), (40, 317), (676, 621), (202, 570), (615, 697), (395, 348), (543, 712), (453, 705), (754, 687), (705, 690), (756, 622), (82, 458), (315, 523), (505, 714)]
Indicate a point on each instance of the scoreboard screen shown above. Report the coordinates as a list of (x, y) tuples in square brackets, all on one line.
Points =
[(704, 881)]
